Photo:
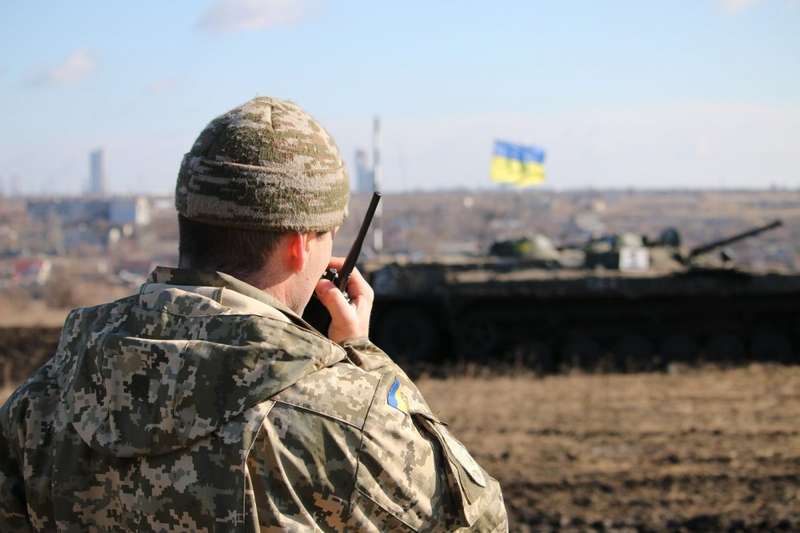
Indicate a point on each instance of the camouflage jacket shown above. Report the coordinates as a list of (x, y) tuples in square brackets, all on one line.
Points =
[(203, 404)]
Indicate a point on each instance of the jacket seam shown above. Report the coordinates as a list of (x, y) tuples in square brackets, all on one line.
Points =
[(361, 447), (387, 511), (246, 455), (312, 411)]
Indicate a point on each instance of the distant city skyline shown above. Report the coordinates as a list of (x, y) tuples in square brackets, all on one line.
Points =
[(663, 94)]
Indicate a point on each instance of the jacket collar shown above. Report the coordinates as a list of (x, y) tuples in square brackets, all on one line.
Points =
[(186, 276)]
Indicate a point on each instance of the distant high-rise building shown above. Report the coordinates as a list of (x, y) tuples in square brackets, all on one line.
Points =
[(363, 172), (97, 173)]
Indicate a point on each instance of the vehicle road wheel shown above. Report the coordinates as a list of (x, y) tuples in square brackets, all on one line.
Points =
[(679, 348), (409, 334), (725, 347), (769, 345), (534, 355), (478, 338), (635, 353), (581, 351)]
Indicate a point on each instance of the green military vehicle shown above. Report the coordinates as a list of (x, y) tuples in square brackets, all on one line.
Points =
[(623, 302)]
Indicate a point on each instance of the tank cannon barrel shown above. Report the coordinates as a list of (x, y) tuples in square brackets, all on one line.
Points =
[(705, 248)]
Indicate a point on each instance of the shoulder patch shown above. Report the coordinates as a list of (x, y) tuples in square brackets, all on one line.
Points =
[(396, 398)]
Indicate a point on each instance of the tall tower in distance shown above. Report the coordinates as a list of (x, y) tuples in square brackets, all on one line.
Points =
[(97, 173), (363, 172)]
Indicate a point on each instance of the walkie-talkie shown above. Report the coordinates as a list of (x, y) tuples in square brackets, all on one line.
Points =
[(315, 313)]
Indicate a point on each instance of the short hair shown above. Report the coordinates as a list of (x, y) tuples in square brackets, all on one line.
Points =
[(235, 251)]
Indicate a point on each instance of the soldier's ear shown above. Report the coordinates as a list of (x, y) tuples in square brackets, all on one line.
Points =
[(296, 250)]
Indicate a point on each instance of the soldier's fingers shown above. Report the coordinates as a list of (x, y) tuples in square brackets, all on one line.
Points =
[(332, 298), (358, 288)]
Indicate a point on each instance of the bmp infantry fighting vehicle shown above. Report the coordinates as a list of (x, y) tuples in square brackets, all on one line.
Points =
[(617, 303)]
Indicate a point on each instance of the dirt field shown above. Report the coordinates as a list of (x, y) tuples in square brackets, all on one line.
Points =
[(705, 450), (23, 349), (696, 450)]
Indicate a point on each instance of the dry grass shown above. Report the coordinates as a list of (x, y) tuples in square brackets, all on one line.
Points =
[(640, 451), (30, 313), (18, 308)]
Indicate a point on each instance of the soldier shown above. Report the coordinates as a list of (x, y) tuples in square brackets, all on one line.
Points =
[(206, 403)]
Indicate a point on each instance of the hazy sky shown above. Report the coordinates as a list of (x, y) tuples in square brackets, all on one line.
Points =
[(657, 93)]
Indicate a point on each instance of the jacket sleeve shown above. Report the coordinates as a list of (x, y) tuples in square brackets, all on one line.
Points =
[(13, 509), (413, 474)]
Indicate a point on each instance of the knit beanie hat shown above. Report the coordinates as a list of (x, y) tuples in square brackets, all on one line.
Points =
[(266, 164)]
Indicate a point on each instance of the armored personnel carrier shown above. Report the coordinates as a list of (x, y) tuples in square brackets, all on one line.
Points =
[(615, 303)]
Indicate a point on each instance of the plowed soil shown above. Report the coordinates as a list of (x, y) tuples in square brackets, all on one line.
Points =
[(701, 450), (22, 350), (693, 450)]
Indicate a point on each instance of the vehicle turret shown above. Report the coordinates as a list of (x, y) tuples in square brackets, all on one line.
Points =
[(537, 250)]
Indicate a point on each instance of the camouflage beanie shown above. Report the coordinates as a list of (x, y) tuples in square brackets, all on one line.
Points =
[(266, 164)]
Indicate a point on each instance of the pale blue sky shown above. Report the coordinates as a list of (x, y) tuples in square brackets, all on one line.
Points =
[(697, 93)]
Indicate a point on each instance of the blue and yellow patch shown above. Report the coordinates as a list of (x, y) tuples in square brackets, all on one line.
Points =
[(517, 164), (396, 398)]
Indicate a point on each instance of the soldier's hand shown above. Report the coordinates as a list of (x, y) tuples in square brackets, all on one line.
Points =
[(348, 319)]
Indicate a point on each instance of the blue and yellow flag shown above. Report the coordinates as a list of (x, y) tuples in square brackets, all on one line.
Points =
[(517, 164)]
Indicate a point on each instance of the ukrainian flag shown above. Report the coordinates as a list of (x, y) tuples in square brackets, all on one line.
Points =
[(517, 164)]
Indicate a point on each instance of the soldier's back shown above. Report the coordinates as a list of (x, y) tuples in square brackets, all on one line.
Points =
[(121, 431)]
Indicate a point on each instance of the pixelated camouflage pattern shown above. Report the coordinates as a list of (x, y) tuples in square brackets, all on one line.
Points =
[(266, 164), (203, 404)]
